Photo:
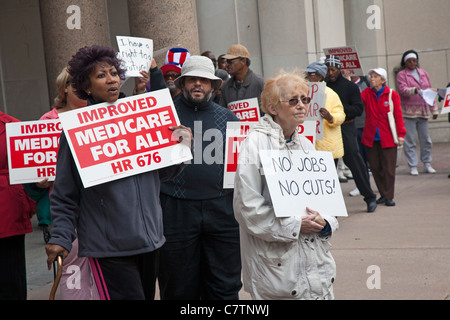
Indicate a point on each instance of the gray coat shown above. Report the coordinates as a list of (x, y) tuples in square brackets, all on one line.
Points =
[(251, 87)]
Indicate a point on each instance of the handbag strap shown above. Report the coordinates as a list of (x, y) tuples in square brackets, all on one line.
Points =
[(390, 102)]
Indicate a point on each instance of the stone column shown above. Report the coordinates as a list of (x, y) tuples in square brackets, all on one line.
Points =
[(66, 27), (167, 23)]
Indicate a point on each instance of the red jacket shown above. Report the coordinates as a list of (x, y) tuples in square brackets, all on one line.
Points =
[(15, 206), (376, 116)]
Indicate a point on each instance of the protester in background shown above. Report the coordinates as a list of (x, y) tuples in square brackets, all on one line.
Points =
[(222, 62), (211, 56), (282, 258), (244, 83), (222, 74), (16, 210), (351, 100), (171, 69), (200, 259), (66, 100), (416, 112), (106, 215), (333, 113), (362, 83), (377, 134)]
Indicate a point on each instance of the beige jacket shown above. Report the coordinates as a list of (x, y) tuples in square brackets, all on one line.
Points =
[(278, 261)]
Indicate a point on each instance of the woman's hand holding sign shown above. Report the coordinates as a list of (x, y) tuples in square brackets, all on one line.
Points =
[(312, 223)]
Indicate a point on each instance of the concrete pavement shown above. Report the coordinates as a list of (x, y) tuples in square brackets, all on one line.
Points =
[(400, 252)]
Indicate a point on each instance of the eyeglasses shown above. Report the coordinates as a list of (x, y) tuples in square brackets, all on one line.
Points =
[(171, 75), (294, 101)]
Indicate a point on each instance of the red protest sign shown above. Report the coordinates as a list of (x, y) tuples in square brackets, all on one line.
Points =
[(32, 150), (348, 57), (131, 136), (245, 110)]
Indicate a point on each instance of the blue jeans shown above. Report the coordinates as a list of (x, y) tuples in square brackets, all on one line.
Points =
[(201, 257)]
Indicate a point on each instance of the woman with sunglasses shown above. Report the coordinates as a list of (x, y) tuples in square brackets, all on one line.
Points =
[(416, 112), (282, 258)]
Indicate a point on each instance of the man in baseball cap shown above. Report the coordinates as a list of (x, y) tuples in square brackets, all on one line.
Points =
[(243, 83), (197, 198)]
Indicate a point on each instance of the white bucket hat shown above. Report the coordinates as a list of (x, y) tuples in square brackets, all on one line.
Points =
[(199, 66)]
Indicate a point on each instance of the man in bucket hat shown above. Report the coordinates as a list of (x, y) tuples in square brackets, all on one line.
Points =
[(244, 83), (201, 256)]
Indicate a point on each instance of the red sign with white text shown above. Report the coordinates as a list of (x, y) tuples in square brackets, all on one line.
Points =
[(32, 150), (245, 110), (349, 59), (131, 136)]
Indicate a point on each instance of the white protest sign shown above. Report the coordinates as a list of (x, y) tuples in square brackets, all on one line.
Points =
[(308, 130), (245, 110), (32, 150), (236, 134), (137, 54), (297, 180), (349, 59), (128, 137), (446, 105), (318, 98)]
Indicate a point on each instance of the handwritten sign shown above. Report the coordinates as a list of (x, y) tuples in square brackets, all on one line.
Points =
[(297, 180), (137, 54), (349, 59), (318, 99), (236, 134), (131, 136), (245, 110), (446, 105), (32, 150)]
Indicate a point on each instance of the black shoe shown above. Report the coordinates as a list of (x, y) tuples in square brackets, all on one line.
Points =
[(389, 202), (371, 206), (381, 200)]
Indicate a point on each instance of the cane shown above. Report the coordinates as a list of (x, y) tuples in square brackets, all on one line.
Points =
[(57, 272)]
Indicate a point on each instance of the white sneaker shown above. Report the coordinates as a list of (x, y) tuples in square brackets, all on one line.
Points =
[(354, 192), (414, 171), (428, 168)]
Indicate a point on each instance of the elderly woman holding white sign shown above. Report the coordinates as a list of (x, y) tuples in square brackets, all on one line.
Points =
[(119, 223), (282, 258)]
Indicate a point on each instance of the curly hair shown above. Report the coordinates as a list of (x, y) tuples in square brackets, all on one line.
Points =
[(402, 63), (85, 60), (276, 87)]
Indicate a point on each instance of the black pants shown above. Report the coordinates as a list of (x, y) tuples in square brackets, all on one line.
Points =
[(201, 256), (13, 278), (131, 277), (353, 160)]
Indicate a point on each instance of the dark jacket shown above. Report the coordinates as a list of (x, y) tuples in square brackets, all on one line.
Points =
[(251, 87), (117, 218), (203, 178), (350, 96)]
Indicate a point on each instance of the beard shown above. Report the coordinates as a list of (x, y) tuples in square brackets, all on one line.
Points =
[(197, 100)]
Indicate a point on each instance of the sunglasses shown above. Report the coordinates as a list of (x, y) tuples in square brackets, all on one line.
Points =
[(294, 101), (230, 61)]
